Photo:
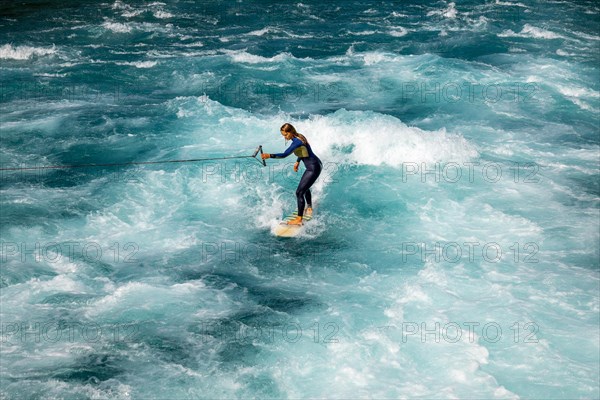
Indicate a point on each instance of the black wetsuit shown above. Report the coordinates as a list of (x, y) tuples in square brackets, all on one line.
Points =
[(313, 170)]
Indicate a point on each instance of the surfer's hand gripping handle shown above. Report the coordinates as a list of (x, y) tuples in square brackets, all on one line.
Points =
[(259, 149)]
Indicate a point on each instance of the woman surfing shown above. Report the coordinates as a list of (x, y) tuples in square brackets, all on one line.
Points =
[(313, 164)]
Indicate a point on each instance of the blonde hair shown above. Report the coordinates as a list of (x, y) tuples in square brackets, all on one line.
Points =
[(289, 128)]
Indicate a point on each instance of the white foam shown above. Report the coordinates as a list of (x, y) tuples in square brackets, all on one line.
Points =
[(574, 91), (586, 36), (398, 31), (62, 265), (60, 283), (539, 33), (574, 94), (375, 139), (371, 58), (132, 13), (530, 31), (271, 29), (563, 53), (194, 44), (245, 57), (117, 27), (506, 3), (449, 12), (138, 293), (119, 5), (162, 14), (24, 52), (139, 64), (584, 106), (263, 31), (362, 33), (295, 35), (51, 75)]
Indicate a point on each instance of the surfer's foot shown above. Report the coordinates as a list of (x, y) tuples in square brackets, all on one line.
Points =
[(295, 221), (308, 211)]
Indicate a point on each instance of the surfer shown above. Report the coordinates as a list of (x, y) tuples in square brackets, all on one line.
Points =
[(313, 164)]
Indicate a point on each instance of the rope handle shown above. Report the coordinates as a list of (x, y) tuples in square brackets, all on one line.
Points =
[(259, 149)]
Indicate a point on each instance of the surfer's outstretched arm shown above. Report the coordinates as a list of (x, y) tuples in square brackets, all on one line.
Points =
[(295, 144)]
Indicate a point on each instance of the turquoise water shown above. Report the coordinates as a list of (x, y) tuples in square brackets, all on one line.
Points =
[(454, 251)]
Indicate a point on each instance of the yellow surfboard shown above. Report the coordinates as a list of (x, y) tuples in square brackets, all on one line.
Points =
[(285, 230)]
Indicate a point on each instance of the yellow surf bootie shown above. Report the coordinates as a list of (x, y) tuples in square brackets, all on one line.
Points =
[(295, 221)]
